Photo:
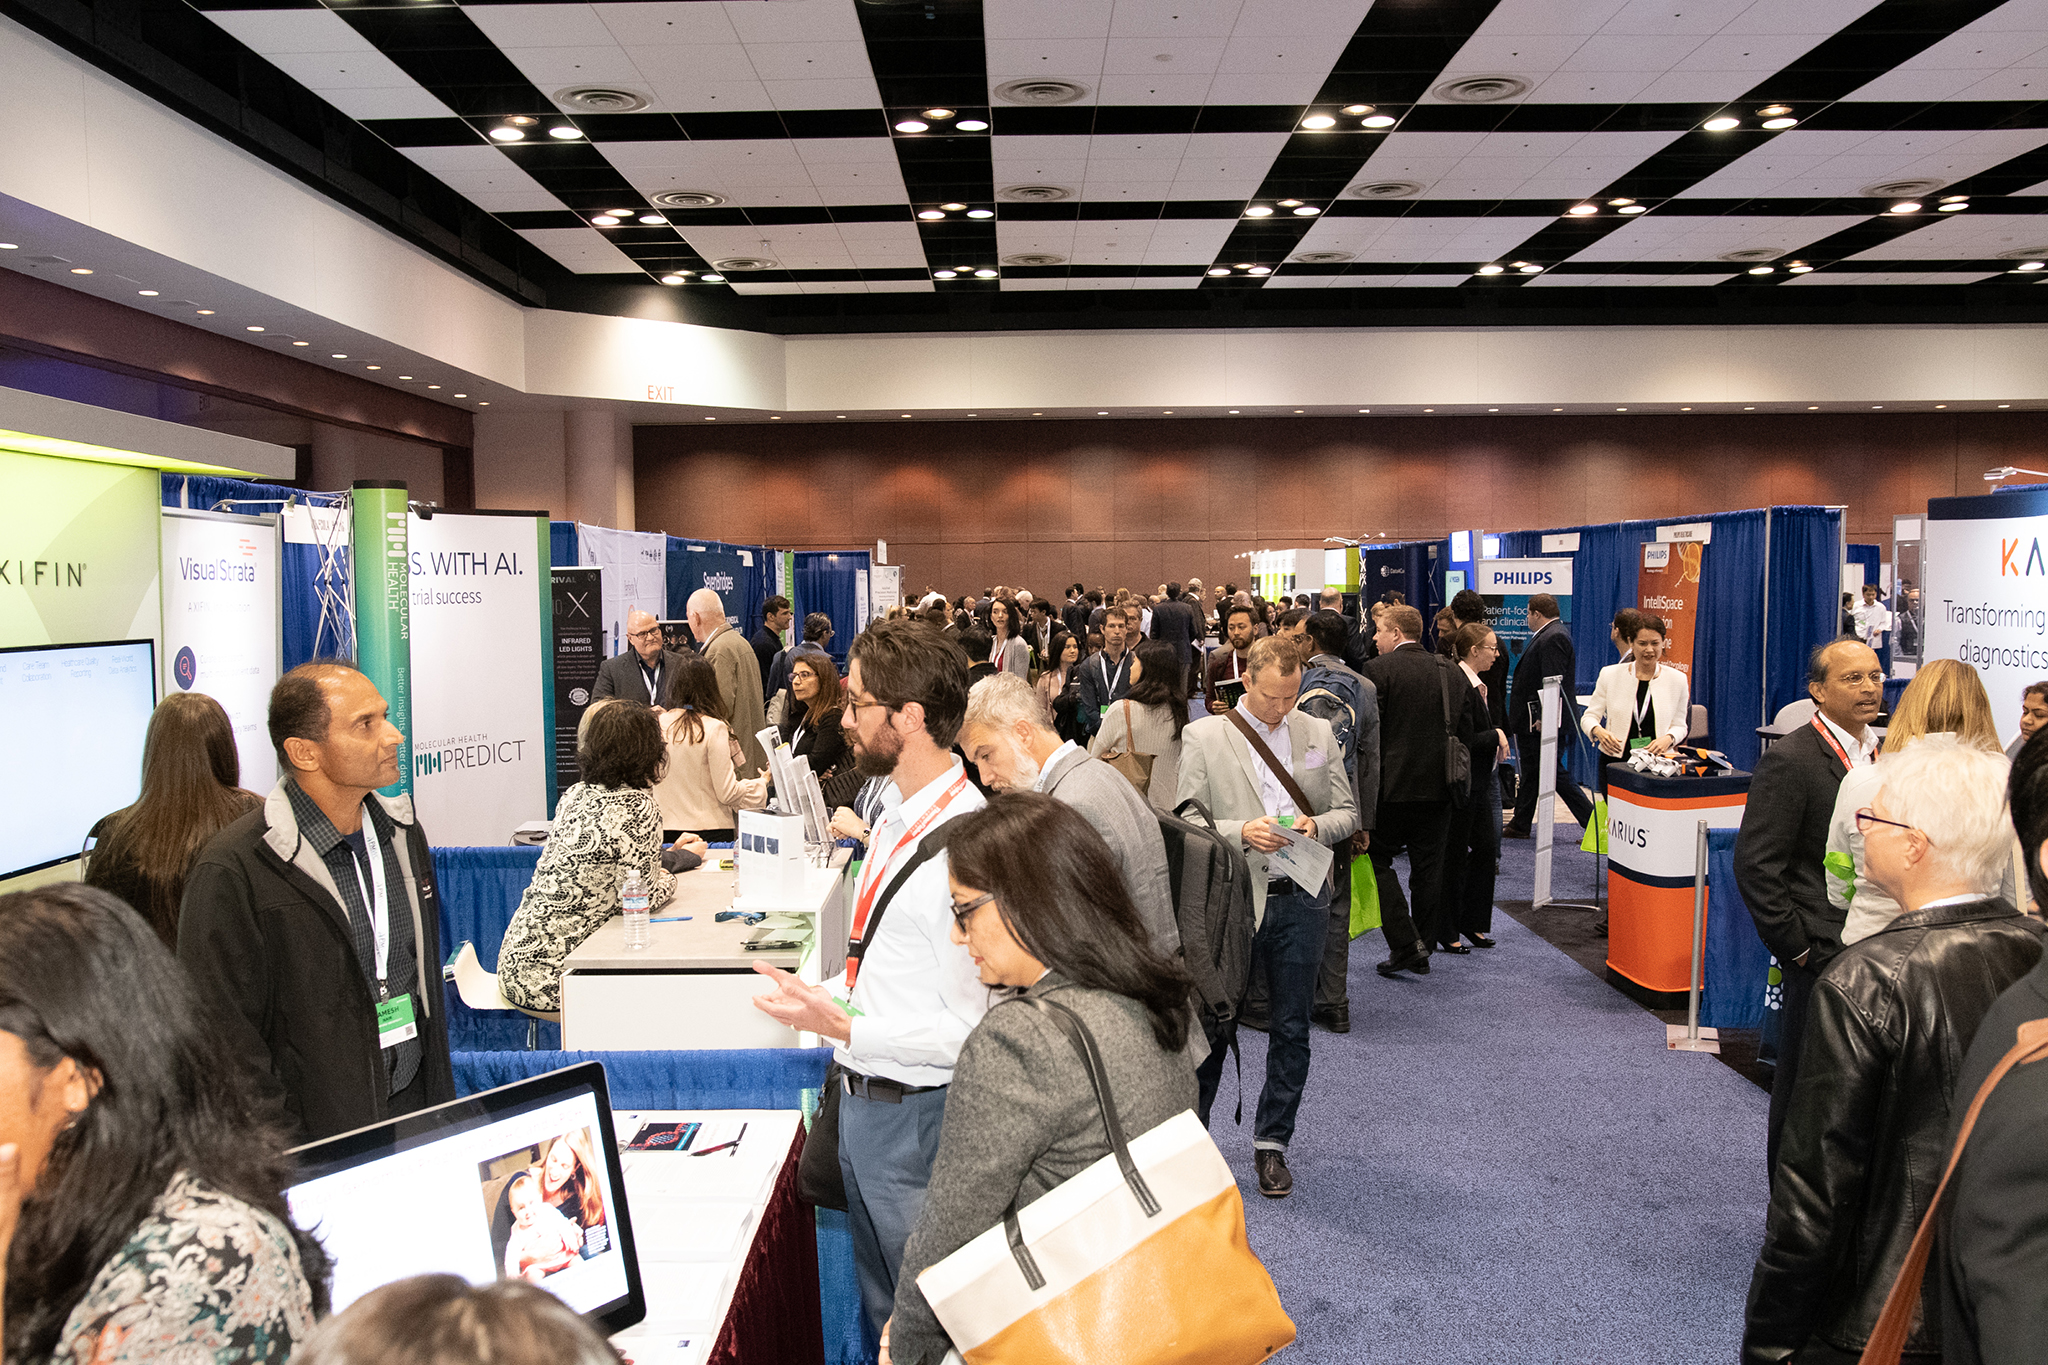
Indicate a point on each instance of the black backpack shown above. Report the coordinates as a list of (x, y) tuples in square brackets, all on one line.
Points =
[(1212, 903)]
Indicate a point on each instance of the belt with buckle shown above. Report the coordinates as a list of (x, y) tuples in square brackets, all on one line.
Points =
[(881, 1087)]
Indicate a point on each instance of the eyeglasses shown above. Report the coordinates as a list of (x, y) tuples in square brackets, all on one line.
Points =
[(964, 912), (651, 633), (1868, 817), (856, 706)]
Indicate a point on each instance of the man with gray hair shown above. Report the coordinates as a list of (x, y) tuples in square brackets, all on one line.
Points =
[(739, 675), (1008, 737)]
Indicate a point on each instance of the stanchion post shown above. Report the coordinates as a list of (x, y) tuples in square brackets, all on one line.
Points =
[(1691, 1037)]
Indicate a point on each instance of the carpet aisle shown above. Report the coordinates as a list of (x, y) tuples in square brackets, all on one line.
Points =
[(1501, 1163)]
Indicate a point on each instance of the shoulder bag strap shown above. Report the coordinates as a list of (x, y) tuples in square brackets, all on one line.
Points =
[(1443, 678), (1130, 731), (1888, 1339), (1091, 1061), (1287, 782), (929, 847)]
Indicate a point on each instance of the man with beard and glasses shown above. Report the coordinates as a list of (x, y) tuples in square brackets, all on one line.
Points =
[(911, 995)]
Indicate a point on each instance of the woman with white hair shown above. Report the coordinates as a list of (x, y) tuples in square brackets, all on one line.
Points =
[(1866, 1133)]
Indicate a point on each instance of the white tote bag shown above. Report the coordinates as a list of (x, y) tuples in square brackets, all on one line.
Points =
[(1140, 1259)]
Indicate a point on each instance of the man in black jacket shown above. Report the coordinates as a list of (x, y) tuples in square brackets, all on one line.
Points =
[(642, 672), (1178, 623), (313, 925), (1549, 653), (1106, 678), (1784, 838), (776, 614), (1993, 1253), (1415, 792), (1867, 1134)]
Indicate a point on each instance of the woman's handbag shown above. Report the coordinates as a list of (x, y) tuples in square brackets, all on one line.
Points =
[(1136, 767), (1140, 1259), (1365, 896)]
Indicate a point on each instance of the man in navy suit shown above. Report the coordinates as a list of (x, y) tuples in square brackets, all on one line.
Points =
[(1549, 653)]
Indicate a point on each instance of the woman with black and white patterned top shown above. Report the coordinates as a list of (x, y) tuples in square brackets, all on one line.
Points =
[(606, 826)]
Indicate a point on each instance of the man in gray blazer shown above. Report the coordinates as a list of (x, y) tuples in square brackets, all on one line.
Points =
[(1007, 736), (1221, 767)]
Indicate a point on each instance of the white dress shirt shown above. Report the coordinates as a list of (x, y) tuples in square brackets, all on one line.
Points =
[(918, 993), (1272, 795), (1038, 783), (1860, 751)]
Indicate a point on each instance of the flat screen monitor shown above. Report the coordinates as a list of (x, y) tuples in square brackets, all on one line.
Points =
[(72, 722), (519, 1182)]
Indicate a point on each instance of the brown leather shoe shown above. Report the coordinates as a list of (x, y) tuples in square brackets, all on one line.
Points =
[(1275, 1180)]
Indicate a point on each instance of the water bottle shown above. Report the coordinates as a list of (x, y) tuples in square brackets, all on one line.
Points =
[(634, 898)]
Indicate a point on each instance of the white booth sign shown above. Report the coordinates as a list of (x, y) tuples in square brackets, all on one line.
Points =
[(1986, 599), (1522, 577), (221, 624)]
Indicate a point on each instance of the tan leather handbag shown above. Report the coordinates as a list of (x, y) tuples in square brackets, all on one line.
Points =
[(1135, 767)]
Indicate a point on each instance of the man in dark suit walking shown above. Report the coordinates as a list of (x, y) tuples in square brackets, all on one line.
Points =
[(1415, 791), (1179, 624), (641, 673), (1784, 838), (1549, 653)]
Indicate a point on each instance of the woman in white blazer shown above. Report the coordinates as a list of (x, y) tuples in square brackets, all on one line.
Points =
[(1011, 652), (1641, 700)]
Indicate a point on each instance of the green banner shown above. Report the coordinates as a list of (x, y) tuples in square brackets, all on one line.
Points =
[(382, 585)]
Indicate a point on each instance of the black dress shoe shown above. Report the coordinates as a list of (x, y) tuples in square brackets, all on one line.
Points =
[(1480, 940), (1457, 948), (1335, 1018), (1516, 832), (1275, 1180), (1406, 960)]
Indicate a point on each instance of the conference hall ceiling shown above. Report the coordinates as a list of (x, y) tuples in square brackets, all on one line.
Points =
[(848, 165)]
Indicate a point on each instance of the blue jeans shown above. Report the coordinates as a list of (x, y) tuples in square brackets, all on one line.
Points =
[(1286, 952)]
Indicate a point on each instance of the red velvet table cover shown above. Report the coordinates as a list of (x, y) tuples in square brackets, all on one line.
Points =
[(776, 1317)]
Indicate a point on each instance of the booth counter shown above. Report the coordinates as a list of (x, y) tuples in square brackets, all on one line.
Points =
[(1653, 848)]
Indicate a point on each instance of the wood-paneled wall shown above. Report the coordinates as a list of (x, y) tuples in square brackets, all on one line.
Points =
[(966, 505)]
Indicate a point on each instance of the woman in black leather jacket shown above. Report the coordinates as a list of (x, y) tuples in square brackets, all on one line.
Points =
[(1866, 1135)]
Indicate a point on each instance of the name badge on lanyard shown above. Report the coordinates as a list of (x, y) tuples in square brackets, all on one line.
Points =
[(653, 681), (395, 1022)]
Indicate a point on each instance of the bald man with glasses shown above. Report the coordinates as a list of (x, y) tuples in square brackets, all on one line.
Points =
[(640, 672)]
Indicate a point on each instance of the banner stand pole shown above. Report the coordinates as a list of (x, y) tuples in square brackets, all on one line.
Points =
[(1689, 1036), (1546, 790)]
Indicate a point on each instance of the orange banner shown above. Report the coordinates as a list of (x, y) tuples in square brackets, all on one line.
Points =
[(1669, 587)]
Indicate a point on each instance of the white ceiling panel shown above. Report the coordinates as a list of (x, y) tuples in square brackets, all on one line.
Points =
[(810, 61), (367, 69), (1027, 20), (849, 93), (1238, 88), (2009, 39), (583, 250), (1674, 237), (1623, 281), (1035, 286), (1892, 277), (1290, 17), (512, 26), (1961, 237), (1193, 242), (1511, 165), (901, 287), (1413, 281), (273, 32), (794, 21), (1016, 238), (1162, 56), (661, 23), (403, 101), (747, 287), (1095, 282), (1377, 240), (1174, 18), (676, 64), (1165, 88), (553, 67), (706, 97), (1825, 165)]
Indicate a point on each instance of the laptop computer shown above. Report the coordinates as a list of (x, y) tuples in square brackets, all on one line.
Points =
[(519, 1182)]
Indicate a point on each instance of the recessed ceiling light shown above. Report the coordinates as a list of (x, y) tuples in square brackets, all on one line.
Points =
[(338, 355), (938, 113), (565, 132), (1377, 121), (1749, 409), (1776, 125), (1557, 409), (1358, 108), (1429, 409), (1621, 409), (2028, 265), (1307, 211), (672, 279), (1799, 270), (930, 215), (953, 208), (302, 343), (906, 414), (1491, 269), (206, 312), (508, 135), (1879, 407), (911, 125), (842, 416), (433, 386), (1581, 210), (522, 120), (1955, 198), (1258, 211), (462, 395), (1774, 110), (1493, 409), (10, 246), (1290, 203), (1619, 203), (945, 274), (1317, 122), (981, 213), (1632, 209), (373, 367), (483, 402), (1763, 270), (252, 329), (1941, 405), (1365, 409), (620, 213), (1956, 207), (711, 419), (1531, 269), (1218, 271), (1813, 407), (604, 220), (406, 377), (147, 293), (2005, 405), (1102, 414), (1259, 270), (773, 418), (653, 220), (1167, 413), (1233, 412), (1721, 124), (984, 274), (972, 125), (80, 270), (712, 279), (1685, 409), (1905, 206)]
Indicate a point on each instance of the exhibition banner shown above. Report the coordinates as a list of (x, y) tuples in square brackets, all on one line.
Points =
[(221, 590), (579, 649), (383, 609), (78, 551), (1986, 598), (635, 565), (480, 600), (720, 571), (1668, 585), (1506, 585)]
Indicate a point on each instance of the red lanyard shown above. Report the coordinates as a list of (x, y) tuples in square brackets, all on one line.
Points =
[(871, 874), (1833, 743)]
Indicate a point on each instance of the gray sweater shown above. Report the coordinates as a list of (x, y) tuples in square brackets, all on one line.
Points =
[(1021, 1119)]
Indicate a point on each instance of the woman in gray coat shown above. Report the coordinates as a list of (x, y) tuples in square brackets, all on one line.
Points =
[(1038, 903)]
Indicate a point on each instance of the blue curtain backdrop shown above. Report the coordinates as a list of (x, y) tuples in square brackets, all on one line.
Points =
[(1729, 649), (1867, 556), (563, 548), (825, 582), (299, 568), (753, 586)]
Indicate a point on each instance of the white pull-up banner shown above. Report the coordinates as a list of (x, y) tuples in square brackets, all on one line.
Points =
[(220, 616)]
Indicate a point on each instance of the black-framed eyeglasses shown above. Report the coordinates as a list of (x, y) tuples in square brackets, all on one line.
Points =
[(964, 912), (856, 705), (1866, 816), (651, 633)]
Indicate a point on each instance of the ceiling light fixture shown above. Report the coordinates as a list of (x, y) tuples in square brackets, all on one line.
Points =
[(1290, 203), (1632, 209), (302, 343), (953, 208), (1378, 121), (1619, 203), (1258, 211), (1530, 269), (406, 377), (1218, 272), (911, 125), (1952, 206), (1763, 270), (373, 367), (653, 220), (1799, 268), (206, 312), (462, 395), (1316, 123), (930, 215), (80, 270), (984, 274), (147, 293), (945, 274), (565, 132), (972, 125), (672, 279), (2028, 265), (1813, 407), (252, 329), (508, 135), (1259, 270), (1307, 211), (433, 386), (338, 355), (1358, 108), (1905, 206), (712, 279), (604, 220), (1491, 269), (938, 113), (1721, 124), (522, 120), (1581, 210), (1778, 125), (10, 246), (1774, 111), (981, 213)]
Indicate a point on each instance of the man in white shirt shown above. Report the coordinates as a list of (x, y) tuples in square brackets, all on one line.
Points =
[(910, 996)]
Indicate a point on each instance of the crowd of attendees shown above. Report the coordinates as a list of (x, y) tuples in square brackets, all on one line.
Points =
[(216, 992)]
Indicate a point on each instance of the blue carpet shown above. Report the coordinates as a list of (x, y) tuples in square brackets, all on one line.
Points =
[(1501, 1162)]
